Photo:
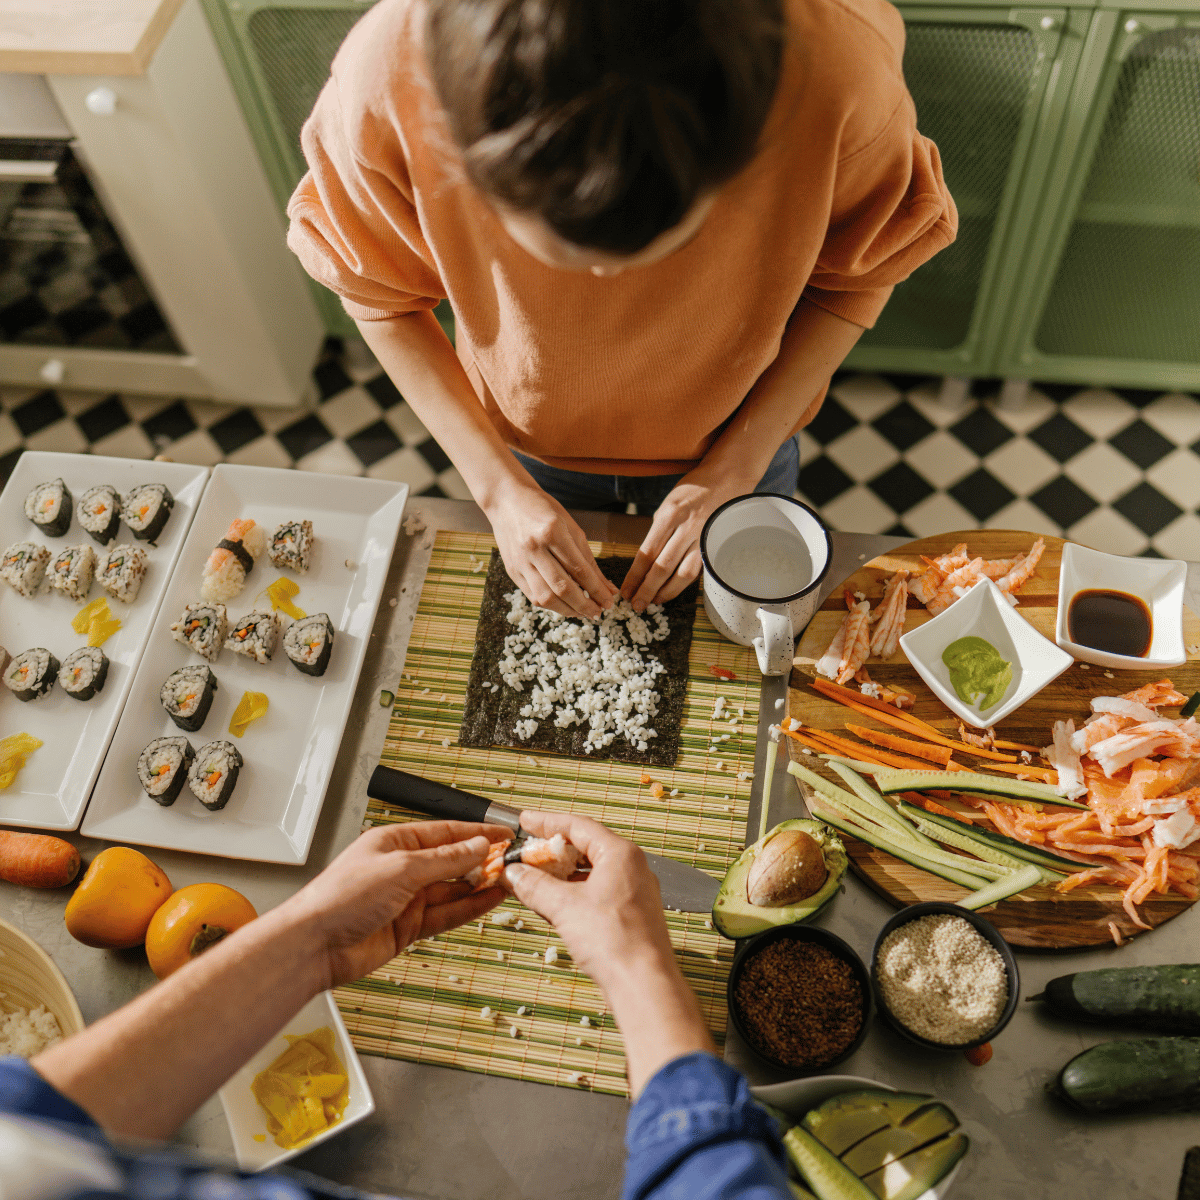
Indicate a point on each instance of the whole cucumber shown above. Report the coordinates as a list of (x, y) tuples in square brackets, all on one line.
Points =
[(1163, 998), (1151, 1074)]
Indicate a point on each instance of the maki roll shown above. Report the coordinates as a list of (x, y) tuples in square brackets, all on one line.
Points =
[(214, 773), (31, 674), (203, 628), (99, 512), (187, 696), (291, 544), (24, 566), (121, 570), (71, 571), (233, 559), (163, 766), (309, 643), (255, 635), (48, 506), (83, 672), (146, 510)]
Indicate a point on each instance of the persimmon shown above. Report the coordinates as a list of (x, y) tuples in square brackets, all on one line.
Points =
[(118, 894), (191, 921)]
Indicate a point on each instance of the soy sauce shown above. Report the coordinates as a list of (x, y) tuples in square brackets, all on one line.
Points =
[(1114, 622)]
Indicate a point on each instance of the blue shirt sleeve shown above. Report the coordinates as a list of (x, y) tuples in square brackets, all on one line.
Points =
[(23, 1092), (696, 1133)]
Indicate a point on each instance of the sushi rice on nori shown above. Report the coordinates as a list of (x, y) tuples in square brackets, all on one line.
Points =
[(213, 775), (255, 635), (48, 506), (71, 571), (203, 627), (188, 695), (163, 767), (83, 672), (24, 566), (308, 643), (121, 570), (291, 545), (99, 512), (146, 510), (31, 673), (233, 559)]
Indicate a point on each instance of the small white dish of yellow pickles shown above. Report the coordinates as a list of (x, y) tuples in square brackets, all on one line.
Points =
[(296, 1076)]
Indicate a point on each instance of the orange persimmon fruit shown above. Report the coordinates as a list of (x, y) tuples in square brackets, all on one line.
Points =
[(118, 894), (191, 921)]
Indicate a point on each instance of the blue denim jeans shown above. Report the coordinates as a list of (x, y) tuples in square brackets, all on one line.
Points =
[(614, 493)]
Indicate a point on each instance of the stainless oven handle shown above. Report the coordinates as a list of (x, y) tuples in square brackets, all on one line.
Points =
[(19, 171)]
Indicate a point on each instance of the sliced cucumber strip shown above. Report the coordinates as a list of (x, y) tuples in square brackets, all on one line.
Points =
[(1034, 854), (870, 796), (822, 1170), (902, 850), (1001, 889), (1012, 791)]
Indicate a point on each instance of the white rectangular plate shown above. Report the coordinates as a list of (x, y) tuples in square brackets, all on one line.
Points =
[(52, 788), (290, 752), (247, 1119)]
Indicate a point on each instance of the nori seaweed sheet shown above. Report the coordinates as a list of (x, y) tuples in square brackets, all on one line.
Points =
[(489, 717)]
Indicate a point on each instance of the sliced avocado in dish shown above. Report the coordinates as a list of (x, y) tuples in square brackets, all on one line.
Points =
[(734, 916), (845, 1119), (895, 1141), (913, 1175)]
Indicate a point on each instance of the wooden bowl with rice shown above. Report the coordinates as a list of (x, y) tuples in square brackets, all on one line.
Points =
[(29, 981)]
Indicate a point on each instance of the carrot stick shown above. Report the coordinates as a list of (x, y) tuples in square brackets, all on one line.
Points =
[(848, 749), (835, 691), (1003, 745), (906, 726), (934, 754)]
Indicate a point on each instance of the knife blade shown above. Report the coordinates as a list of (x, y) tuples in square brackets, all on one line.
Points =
[(684, 888)]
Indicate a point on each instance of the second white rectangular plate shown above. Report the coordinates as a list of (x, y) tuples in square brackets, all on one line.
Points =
[(290, 752), (52, 788)]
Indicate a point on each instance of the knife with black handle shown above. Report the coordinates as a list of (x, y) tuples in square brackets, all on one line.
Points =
[(684, 888)]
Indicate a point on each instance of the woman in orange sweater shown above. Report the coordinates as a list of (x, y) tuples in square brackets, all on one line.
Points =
[(661, 224)]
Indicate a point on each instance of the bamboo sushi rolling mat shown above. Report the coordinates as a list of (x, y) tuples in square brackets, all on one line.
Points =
[(426, 1004)]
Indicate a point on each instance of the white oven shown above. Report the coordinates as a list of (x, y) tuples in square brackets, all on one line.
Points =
[(140, 246)]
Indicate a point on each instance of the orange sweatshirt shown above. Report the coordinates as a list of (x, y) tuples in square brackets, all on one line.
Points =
[(636, 373)]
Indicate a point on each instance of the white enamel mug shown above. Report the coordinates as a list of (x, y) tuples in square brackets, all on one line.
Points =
[(765, 556)]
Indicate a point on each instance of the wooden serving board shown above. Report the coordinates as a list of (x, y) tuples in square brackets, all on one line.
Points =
[(1039, 917)]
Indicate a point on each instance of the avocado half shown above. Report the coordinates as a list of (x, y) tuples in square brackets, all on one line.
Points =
[(734, 915)]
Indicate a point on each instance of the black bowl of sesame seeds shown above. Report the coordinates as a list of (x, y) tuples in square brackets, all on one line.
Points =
[(940, 984), (799, 997)]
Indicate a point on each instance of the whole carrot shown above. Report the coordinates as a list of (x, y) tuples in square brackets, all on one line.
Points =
[(37, 860)]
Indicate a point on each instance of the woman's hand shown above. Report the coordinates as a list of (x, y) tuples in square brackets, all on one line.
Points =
[(546, 552), (613, 926), (393, 885), (669, 557)]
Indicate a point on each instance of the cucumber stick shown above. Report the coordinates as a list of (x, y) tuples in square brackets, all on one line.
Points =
[(1001, 889), (869, 795), (822, 1170), (902, 850), (1033, 854), (1008, 791), (878, 810)]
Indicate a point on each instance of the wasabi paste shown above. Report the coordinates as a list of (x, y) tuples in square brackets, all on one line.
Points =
[(979, 675)]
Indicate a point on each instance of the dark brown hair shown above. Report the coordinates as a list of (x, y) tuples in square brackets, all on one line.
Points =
[(605, 118)]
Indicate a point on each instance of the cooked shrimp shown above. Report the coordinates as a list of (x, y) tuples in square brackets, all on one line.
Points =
[(964, 577), (1020, 574), (879, 691), (490, 871), (830, 662), (857, 645), (555, 855), (890, 615)]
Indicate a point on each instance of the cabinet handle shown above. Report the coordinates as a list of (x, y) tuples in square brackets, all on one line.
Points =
[(101, 101)]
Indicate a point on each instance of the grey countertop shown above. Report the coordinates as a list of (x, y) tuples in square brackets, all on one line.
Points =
[(452, 1135)]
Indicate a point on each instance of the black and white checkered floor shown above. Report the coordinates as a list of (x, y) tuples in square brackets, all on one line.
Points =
[(1117, 469)]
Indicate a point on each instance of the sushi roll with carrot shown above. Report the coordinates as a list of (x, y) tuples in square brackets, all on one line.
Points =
[(187, 696), (308, 643), (48, 506), (121, 570), (233, 559), (83, 672), (23, 567), (203, 628), (99, 512), (31, 673), (71, 571), (291, 545), (213, 776), (163, 768), (255, 635), (146, 510)]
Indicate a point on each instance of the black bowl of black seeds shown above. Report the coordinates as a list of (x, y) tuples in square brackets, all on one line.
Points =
[(799, 997)]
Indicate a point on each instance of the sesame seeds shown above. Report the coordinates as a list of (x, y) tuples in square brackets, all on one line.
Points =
[(942, 979)]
